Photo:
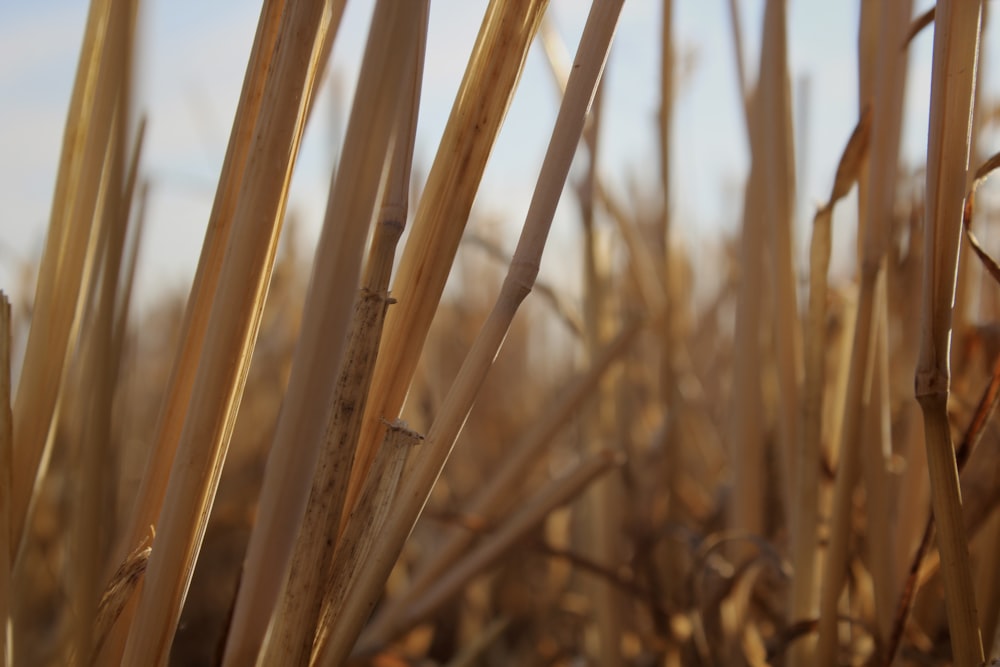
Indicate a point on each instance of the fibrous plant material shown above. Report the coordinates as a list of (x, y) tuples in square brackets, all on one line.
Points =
[(491, 500), (528, 516), (956, 50), (66, 266), (420, 479), (396, 82), (365, 524), (387, 83), (480, 106), (177, 395), (805, 539), (230, 331)]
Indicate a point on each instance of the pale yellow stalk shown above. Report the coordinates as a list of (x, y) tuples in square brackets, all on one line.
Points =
[(480, 106), (880, 188), (177, 394), (804, 503), (382, 90), (63, 275), (956, 50), (230, 333), (420, 479)]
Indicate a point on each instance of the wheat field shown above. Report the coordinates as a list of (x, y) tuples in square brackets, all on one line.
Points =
[(399, 444)]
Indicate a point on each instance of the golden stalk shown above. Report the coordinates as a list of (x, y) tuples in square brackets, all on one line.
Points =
[(388, 96), (177, 395), (880, 187), (777, 160), (805, 500), (480, 106), (956, 50), (230, 332), (64, 273), (420, 479)]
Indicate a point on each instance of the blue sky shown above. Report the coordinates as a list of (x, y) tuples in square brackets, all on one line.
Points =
[(193, 56)]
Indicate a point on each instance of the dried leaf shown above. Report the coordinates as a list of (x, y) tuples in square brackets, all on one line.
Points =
[(918, 25), (852, 158)]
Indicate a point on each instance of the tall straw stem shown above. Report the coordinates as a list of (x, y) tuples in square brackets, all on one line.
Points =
[(480, 107), (177, 395), (65, 269), (230, 333), (386, 104), (417, 485), (956, 49)]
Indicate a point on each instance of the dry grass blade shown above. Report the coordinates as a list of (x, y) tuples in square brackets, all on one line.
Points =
[(366, 522), (990, 264), (382, 90), (528, 516), (591, 55), (956, 50), (230, 333), (480, 106), (177, 394), (291, 635), (6, 443), (805, 510), (64, 273)]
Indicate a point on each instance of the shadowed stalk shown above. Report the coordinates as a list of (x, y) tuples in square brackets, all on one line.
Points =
[(365, 523), (417, 485), (774, 147), (880, 188), (66, 266), (530, 513), (99, 360), (382, 89), (956, 49), (480, 107), (489, 503), (804, 501), (297, 615), (6, 440), (230, 332)]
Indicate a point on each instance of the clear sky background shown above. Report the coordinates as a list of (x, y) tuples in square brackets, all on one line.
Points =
[(194, 53)]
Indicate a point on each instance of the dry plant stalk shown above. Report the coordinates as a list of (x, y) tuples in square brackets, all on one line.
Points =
[(365, 524), (876, 216), (493, 498), (804, 503), (480, 106), (6, 445), (65, 269), (177, 394), (529, 515), (396, 81), (382, 89), (774, 147), (230, 332), (416, 487), (956, 49)]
